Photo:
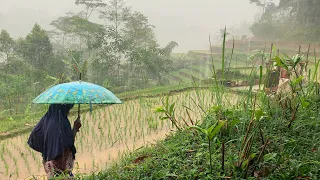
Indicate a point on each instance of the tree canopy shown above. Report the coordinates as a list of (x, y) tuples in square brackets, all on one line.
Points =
[(289, 19), (6, 45)]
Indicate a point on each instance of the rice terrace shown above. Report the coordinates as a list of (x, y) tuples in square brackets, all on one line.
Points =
[(98, 93)]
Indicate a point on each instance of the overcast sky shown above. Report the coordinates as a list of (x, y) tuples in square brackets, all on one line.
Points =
[(188, 22)]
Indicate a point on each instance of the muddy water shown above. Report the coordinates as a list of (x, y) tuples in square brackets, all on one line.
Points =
[(107, 134)]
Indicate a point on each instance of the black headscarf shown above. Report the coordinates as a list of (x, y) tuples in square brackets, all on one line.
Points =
[(53, 133)]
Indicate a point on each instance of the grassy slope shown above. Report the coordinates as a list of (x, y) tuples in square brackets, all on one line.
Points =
[(177, 78), (184, 75), (153, 91), (191, 72), (291, 153)]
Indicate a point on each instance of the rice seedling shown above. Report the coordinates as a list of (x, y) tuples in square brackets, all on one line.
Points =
[(2, 157), (93, 166), (15, 161), (17, 171), (6, 166)]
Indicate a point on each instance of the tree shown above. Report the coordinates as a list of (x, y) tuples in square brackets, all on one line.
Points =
[(115, 14), (77, 65), (304, 12), (262, 4), (139, 35), (6, 45), (138, 32), (154, 62), (76, 26), (90, 6), (17, 84), (36, 48), (291, 19), (10, 93), (103, 68), (163, 64)]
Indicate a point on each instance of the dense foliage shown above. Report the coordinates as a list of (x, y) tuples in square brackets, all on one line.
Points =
[(288, 19), (121, 53)]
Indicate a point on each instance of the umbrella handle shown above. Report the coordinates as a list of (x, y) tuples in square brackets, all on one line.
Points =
[(79, 104), (79, 110)]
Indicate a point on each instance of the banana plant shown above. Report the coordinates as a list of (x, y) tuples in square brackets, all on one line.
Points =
[(59, 79), (76, 64), (290, 65), (210, 134)]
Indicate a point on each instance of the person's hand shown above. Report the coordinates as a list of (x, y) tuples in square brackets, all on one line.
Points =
[(77, 124)]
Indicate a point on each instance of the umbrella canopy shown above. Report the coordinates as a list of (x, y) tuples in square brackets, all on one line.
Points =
[(77, 93)]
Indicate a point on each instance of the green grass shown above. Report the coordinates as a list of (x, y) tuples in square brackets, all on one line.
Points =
[(177, 55), (204, 69), (208, 52), (262, 137), (154, 91), (193, 73), (169, 159), (15, 127), (177, 74), (174, 80), (239, 60), (289, 153)]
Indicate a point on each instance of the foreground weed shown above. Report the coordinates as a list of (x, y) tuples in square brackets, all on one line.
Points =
[(210, 134)]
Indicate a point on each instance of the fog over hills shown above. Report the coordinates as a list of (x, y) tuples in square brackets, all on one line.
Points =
[(187, 22)]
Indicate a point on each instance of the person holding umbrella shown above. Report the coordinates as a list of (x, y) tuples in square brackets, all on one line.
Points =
[(54, 138), (53, 135)]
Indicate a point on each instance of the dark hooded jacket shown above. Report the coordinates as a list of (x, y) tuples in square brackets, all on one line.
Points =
[(53, 134)]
